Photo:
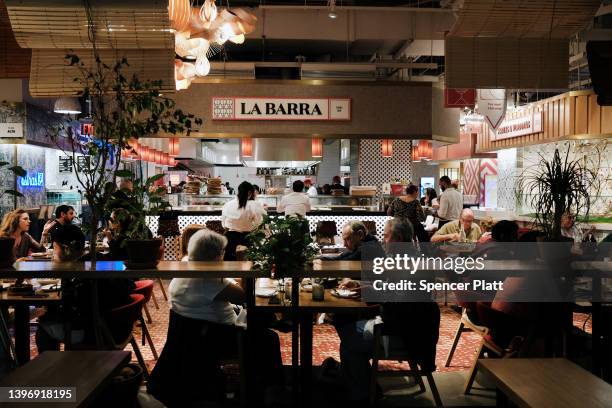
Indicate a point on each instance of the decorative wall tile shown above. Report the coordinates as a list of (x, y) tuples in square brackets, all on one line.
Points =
[(486, 167), (506, 179), (374, 170)]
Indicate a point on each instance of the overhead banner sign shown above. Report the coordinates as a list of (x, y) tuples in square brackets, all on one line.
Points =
[(12, 118), (522, 126), (492, 105), (249, 108), (459, 97)]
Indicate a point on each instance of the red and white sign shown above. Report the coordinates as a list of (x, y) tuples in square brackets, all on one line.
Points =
[(525, 125), (492, 105), (459, 97), (248, 108)]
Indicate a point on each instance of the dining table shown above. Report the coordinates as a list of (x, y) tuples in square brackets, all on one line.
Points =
[(302, 306)]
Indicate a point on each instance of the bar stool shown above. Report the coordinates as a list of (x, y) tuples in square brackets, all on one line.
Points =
[(145, 288)]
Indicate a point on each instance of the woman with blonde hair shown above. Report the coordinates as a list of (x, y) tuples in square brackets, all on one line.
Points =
[(185, 236), (16, 225), (486, 225)]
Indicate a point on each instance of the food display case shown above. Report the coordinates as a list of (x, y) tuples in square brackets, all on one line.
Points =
[(214, 202), (344, 202)]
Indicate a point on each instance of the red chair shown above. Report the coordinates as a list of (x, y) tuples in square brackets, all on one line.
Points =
[(145, 288), (121, 324)]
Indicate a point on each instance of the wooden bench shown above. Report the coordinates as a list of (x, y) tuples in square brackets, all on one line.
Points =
[(546, 382), (88, 371)]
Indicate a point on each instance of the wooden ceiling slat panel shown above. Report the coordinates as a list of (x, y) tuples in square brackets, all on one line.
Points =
[(50, 75), (64, 24), (14, 60)]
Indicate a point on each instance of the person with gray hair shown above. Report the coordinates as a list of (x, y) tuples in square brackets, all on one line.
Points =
[(357, 240), (202, 331), (398, 230)]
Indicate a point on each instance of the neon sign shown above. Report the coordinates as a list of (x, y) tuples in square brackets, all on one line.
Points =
[(36, 180)]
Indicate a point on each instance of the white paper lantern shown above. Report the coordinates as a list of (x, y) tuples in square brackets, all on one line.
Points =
[(202, 66)]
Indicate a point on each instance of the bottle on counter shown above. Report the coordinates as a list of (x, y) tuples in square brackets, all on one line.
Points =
[(169, 187)]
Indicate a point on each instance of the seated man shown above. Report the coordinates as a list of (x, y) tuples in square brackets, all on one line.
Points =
[(400, 319), (451, 231), (357, 240), (203, 330), (76, 310)]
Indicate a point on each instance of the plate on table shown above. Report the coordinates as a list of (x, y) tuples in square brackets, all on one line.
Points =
[(51, 288), (345, 293), (307, 287), (41, 255), (266, 292)]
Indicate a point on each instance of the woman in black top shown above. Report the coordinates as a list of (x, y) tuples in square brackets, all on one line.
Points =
[(409, 208), (430, 196)]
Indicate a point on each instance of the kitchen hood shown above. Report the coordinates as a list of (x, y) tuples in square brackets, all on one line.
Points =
[(275, 152)]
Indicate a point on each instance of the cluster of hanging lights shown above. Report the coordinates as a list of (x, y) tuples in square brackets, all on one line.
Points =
[(137, 151), (201, 32)]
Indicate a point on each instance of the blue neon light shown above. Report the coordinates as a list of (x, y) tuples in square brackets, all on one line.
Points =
[(36, 180)]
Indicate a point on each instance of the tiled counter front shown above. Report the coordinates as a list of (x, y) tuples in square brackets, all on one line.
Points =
[(171, 245)]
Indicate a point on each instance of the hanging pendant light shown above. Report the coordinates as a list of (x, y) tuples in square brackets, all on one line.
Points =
[(173, 146), (317, 147), (246, 147), (425, 150), (387, 148)]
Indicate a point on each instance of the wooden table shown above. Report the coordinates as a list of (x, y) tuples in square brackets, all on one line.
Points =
[(304, 311), (88, 371), (22, 304), (546, 382)]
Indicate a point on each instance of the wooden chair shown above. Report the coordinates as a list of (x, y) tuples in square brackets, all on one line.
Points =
[(121, 322), (396, 350), (465, 325)]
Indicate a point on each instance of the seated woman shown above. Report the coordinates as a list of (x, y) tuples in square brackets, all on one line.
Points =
[(75, 313), (185, 237), (119, 222), (202, 331), (16, 225)]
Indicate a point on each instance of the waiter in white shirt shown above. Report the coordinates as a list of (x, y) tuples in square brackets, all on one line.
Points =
[(451, 202), (310, 189), (296, 203)]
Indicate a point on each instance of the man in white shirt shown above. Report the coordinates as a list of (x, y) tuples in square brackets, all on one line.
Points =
[(310, 189), (296, 203), (451, 201)]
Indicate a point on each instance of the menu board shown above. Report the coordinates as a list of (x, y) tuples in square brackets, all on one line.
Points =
[(65, 164), (82, 163)]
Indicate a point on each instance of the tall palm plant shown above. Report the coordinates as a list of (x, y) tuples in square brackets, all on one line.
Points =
[(558, 186)]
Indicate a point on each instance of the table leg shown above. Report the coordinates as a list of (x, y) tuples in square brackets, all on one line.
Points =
[(501, 399), (295, 361), (306, 358), (249, 289), (22, 333), (596, 324)]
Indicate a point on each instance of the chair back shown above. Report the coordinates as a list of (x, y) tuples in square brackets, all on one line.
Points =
[(215, 225), (121, 319), (370, 226), (145, 288)]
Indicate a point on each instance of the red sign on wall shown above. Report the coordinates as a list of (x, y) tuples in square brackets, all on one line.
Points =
[(459, 97)]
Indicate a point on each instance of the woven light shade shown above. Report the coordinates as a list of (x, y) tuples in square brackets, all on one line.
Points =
[(179, 12), (425, 150), (63, 24), (14, 60), (173, 146), (51, 76), (68, 106), (387, 148), (317, 147)]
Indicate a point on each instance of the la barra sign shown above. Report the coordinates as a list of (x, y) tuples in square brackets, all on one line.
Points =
[(250, 108), (521, 126)]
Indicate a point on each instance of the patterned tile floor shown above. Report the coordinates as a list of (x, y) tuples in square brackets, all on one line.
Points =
[(326, 342)]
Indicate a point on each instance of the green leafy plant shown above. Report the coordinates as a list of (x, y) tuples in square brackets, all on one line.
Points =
[(281, 245), (122, 109), (145, 199), (558, 186)]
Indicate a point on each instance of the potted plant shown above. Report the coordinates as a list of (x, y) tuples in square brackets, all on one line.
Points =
[(7, 256), (558, 186), (144, 200), (281, 245)]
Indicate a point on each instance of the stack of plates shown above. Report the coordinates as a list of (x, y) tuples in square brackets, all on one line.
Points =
[(192, 187)]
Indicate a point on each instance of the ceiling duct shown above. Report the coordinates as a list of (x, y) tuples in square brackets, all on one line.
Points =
[(352, 72), (235, 70)]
